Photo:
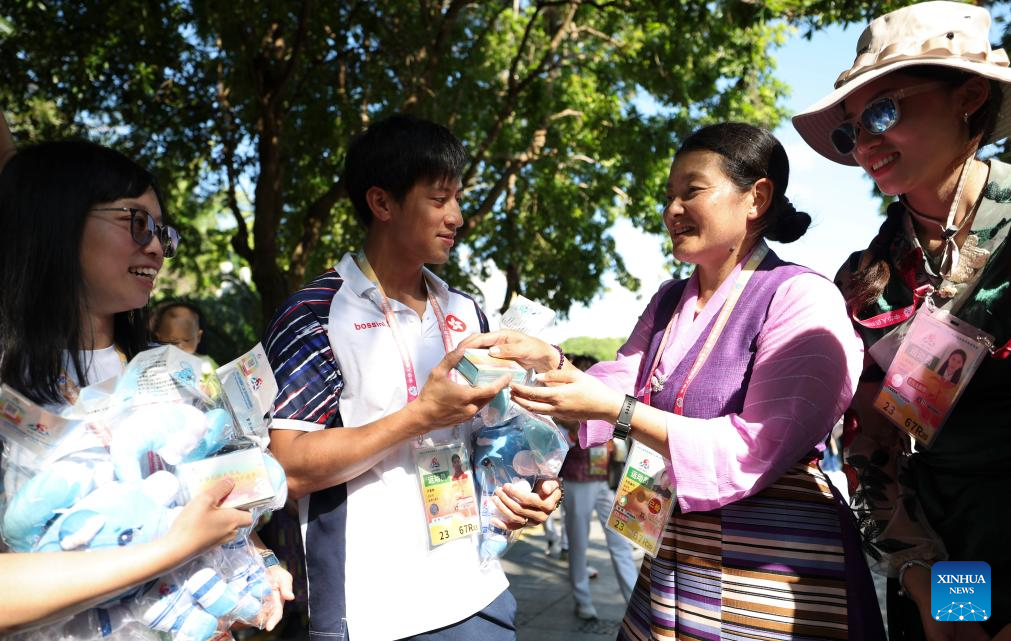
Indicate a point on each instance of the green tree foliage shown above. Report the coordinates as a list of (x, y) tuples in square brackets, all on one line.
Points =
[(571, 110), (602, 349)]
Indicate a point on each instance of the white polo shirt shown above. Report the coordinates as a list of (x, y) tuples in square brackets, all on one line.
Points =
[(394, 584)]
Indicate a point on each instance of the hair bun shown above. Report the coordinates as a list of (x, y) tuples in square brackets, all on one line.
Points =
[(789, 224)]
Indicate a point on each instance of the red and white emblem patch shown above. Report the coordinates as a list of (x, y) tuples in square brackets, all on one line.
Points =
[(455, 324)]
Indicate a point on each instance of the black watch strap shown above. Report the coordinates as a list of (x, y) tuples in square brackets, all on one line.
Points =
[(623, 425)]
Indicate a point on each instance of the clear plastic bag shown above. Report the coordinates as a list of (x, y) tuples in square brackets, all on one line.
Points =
[(207, 595), (515, 447), (127, 457)]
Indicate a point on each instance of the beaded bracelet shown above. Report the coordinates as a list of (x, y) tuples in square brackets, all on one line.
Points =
[(561, 357)]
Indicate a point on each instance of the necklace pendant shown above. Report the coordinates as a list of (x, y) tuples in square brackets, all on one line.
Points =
[(947, 289), (656, 382), (971, 259)]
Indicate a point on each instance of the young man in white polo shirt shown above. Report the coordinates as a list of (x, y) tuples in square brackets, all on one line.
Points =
[(350, 352)]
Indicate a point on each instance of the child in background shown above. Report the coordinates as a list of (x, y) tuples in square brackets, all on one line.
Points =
[(178, 323)]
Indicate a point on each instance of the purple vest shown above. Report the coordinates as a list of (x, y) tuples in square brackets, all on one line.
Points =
[(721, 384)]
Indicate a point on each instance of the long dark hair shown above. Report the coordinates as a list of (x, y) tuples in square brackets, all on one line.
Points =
[(46, 191), (749, 154), (958, 372), (866, 285)]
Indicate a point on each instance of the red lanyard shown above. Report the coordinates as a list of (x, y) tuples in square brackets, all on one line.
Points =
[(410, 378), (896, 316), (757, 256)]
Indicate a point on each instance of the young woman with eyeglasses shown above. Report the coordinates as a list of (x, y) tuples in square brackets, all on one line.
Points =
[(925, 92), (84, 239)]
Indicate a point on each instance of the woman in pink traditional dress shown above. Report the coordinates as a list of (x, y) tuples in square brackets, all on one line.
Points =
[(736, 376)]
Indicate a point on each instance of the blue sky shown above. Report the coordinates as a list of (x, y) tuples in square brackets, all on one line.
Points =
[(845, 217)]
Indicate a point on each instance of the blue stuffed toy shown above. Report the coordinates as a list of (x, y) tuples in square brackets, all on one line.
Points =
[(115, 515), (112, 498), (54, 489), (176, 433)]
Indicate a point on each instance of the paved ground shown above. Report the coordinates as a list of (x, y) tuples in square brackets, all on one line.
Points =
[(541, 586)]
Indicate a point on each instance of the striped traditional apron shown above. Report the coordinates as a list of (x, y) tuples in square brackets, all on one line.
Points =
[(770, 566)]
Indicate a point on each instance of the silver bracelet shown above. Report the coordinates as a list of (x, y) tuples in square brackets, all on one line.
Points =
[(902, 573)]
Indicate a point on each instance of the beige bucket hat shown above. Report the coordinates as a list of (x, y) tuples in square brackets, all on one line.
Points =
[(946, 34)]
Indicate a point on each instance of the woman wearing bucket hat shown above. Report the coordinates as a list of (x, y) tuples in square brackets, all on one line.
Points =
[(924, 93)]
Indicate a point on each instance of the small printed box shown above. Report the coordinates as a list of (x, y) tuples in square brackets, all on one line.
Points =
[(479, 368), (245, 467)]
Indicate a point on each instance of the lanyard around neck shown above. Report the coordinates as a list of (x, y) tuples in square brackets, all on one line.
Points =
[(757, 256), (950, 251), (410, 377)]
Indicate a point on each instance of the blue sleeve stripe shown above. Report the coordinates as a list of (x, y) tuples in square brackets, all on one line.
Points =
[(298, 348)]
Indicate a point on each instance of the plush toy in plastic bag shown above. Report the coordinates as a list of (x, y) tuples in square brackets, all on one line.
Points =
[(199, 602), (196, 602), (110, 477), (518, 448)]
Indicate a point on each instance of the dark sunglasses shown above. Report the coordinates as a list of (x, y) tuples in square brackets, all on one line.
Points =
[(143, 229), (878, 116)]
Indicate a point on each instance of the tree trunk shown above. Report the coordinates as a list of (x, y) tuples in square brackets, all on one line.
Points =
[(269, 278)]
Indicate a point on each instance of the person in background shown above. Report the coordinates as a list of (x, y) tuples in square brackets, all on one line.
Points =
[(178, 323), (587, 491), (924, 94)]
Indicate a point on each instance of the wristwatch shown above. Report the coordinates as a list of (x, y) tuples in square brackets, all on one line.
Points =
[(269, 558), (623, 425)]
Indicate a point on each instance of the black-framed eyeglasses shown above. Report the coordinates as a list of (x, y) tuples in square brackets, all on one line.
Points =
[(144, 228), (878, 116)]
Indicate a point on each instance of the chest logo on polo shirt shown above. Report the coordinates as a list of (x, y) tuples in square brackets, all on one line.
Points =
[(455, 323), (370, 325)]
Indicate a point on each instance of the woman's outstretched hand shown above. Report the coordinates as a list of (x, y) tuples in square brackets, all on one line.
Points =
[(569, 395), (203, 524), (530, 352)]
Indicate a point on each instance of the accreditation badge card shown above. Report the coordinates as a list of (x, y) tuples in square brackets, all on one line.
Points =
[(644, 500), (447, 489), (932, 367)]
